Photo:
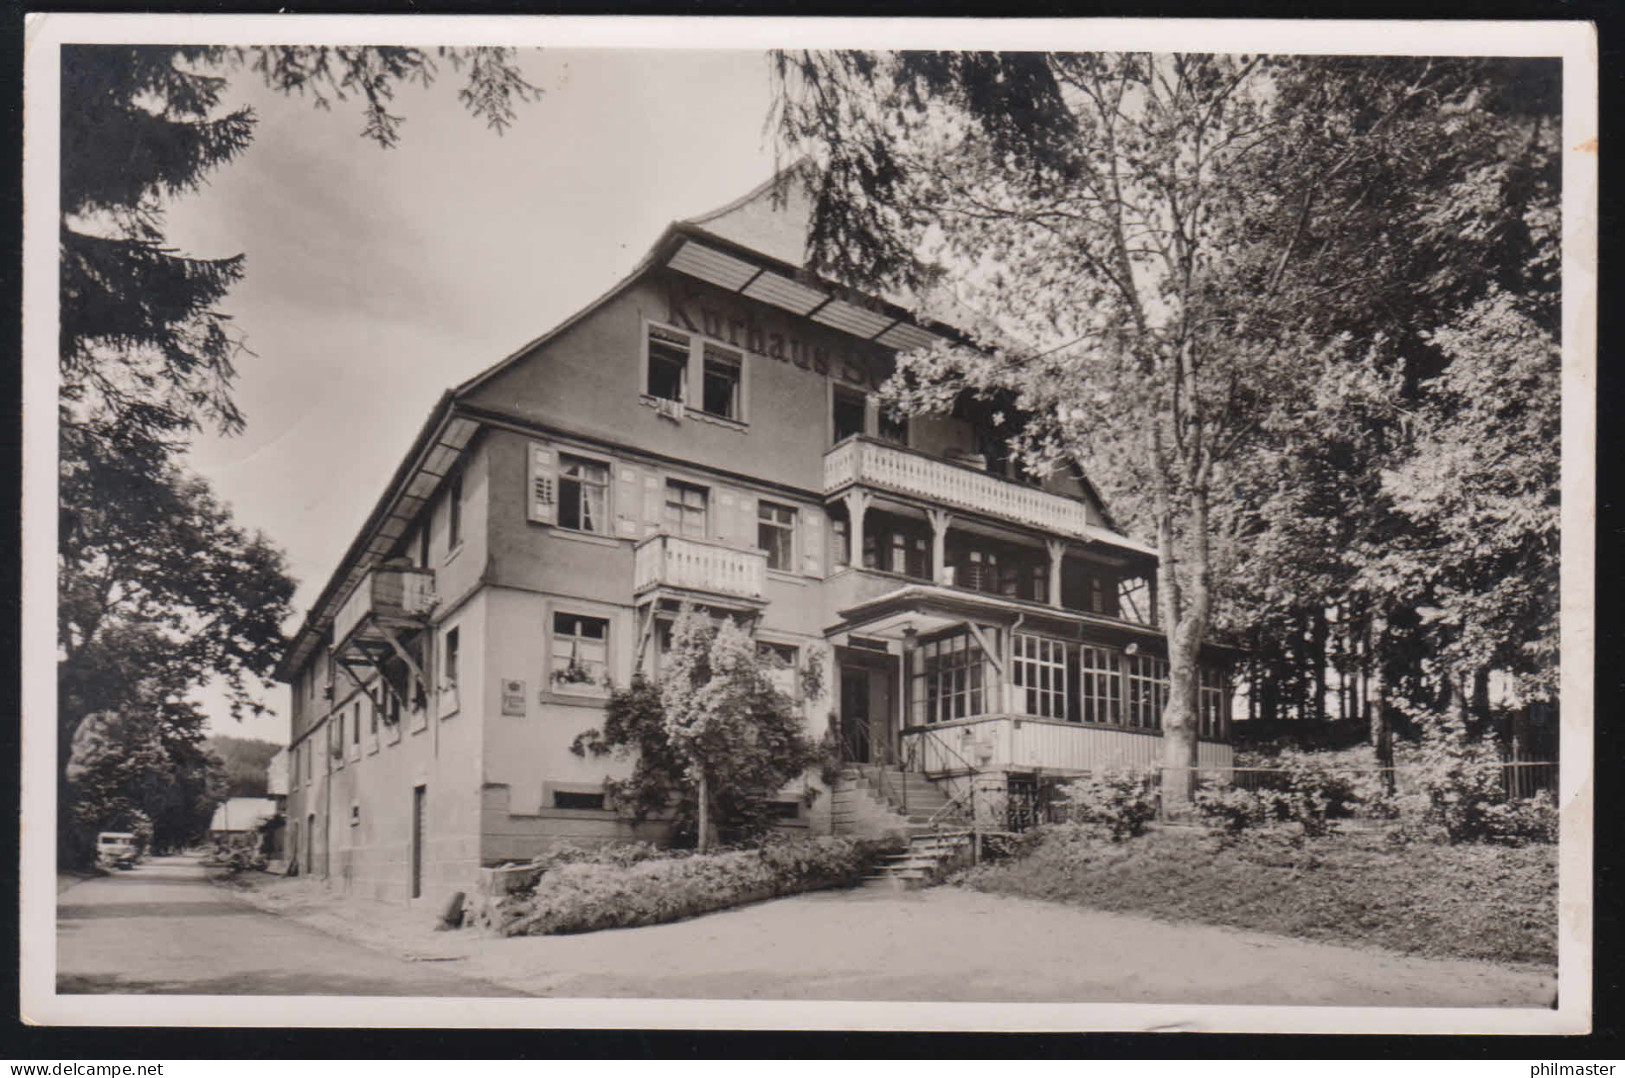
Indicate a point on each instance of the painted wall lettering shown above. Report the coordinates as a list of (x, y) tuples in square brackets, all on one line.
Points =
[(742, 329)]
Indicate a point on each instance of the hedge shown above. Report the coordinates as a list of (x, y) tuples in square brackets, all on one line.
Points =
[(588, 895)]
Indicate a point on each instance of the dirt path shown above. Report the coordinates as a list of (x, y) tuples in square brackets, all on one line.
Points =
[(948, 944), (163, 928)]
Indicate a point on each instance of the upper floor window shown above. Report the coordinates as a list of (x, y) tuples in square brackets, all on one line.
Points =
[(423, 546), (355, 725), (685, 512), (454, 524), (776, 534), (848, 413), (583, 494), (720, 395), (452, 646), (893, 428), (580, 659), (667, 375)]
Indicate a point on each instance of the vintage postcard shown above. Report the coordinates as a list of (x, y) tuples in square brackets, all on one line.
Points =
[(835, 524)]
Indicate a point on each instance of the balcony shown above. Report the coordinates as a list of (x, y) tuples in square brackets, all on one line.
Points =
[(862, 461), (390, 595), (671, 561)]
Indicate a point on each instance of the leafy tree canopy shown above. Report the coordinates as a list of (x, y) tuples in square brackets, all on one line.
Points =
[(714, 737)]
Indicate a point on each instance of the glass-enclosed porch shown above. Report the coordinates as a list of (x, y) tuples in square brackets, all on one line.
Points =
[(997, 685)]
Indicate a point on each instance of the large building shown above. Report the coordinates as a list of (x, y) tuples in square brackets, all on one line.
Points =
[(707, 432)]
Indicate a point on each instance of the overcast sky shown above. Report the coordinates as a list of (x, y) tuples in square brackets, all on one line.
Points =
[(376, 279)]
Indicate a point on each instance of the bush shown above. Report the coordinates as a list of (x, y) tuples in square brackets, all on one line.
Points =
[(1462, 794), (589, 891), (1301, 789), (1123, 801)]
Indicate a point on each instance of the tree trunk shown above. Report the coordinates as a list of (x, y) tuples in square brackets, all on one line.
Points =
[(1376, 699), (1317, 657), (703, 838)]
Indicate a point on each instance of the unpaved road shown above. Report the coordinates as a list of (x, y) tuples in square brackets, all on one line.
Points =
[(163, 928), (948, 944)]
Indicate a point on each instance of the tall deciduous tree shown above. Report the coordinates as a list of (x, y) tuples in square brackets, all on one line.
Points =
[(713, 737), (158, 591), (1168, 253)]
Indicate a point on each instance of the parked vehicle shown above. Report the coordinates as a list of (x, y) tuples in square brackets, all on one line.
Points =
[(116, 848)]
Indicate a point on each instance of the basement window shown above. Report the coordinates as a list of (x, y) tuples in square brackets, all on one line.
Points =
[(571, 799)]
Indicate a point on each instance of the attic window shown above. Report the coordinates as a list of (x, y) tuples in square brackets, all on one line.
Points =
[(722, 377), (668, 364)]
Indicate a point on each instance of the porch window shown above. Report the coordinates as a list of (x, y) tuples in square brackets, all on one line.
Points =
[(685, 509), (583, 494), (1147, 678), (1100, 684), (1040, 676), (1210, 712), (1134, 601), (948, 680)]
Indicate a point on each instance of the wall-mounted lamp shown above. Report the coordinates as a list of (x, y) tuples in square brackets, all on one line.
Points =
[(1132, 649)]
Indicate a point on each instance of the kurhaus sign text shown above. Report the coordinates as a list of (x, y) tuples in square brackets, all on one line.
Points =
[(741, 330)]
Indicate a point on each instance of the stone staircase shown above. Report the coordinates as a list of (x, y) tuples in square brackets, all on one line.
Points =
[(929, 857), (872, 801)]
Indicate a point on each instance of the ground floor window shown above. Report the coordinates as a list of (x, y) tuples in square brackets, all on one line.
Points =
[(1210, 712), (949, 679), (1147, 678), (1039, 675), (580, 653), (1100, 686)]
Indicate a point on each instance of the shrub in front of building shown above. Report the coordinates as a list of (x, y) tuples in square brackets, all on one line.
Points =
[(605, 889)]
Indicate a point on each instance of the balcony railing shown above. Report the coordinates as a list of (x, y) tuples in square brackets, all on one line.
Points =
[(391, 593), (872, 463), (696, 565)]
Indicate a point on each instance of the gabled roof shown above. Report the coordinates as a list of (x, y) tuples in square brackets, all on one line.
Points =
[(754, 245)]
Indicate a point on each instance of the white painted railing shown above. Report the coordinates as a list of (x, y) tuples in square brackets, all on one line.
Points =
[(1000, 742), (388, 592), (696, 565), (903, 471)]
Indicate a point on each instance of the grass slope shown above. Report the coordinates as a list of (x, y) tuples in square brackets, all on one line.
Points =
[(1482, 902)]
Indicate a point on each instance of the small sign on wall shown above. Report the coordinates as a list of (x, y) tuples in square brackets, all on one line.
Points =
[(513, 698)]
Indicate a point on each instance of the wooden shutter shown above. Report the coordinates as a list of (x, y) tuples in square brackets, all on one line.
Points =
[(542, 485), (811, 524), (653, 503), (722, 513), (747, 522), (626, 502)]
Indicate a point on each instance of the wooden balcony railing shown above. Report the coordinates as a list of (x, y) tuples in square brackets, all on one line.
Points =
[(871, 463), (697, 565), (394, 594)]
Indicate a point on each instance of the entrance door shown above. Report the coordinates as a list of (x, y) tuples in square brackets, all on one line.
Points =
[(310, 843), (855, 715), (420, 797)]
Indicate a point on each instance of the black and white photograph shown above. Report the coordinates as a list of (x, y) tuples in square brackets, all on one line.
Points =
[(814, 523)]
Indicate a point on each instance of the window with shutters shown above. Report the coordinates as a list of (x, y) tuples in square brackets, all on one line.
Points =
[(583, 495), (776, 534), (666, 376), (685, 512), (580, 654), (542, 502), (720, 393)]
